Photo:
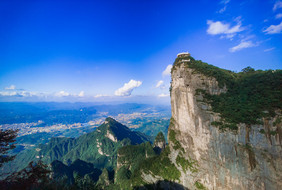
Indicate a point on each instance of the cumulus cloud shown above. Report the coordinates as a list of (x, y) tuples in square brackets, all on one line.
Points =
[(160, 84), (274, 29), (18, 93), (81, 94), (242, 45), (163, 95), (167, 70), (23, 93), (218, 27), (62, 94), (277, 5), (127, 88), (12, 87), (278, 16)]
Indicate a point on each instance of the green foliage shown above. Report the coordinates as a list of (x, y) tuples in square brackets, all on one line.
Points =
[(262, 131), (7, 138), (86, 147), (251, 94), (273, 133), (172, 139), (277, 121), (132, 155), (160, 137), (79, 173), (172, 136), (222, 125), (187, 164), (224, 77), (31, 177), (248, 70), (123, 174), (105, 179), (199, 185), (161, 166)]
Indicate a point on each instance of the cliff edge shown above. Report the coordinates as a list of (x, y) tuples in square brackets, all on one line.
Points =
[(214, 149)]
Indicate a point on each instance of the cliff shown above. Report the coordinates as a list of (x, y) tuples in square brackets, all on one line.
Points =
[(214, 149)]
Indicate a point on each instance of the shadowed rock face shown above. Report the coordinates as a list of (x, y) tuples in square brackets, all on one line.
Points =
[(242, 159)]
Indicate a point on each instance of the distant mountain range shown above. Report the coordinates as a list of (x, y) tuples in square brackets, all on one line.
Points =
[(98, 148), (68, 113)]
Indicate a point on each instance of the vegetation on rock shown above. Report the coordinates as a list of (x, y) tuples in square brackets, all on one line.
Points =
[(186, 164), (251, 95)]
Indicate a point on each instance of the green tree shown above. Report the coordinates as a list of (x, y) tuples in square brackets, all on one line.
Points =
[(7, 139), (248, 69), (34, 176)]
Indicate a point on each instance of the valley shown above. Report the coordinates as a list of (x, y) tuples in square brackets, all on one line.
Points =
[(144, 118)]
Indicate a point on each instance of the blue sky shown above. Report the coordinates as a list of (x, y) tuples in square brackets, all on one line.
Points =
[(122, 50)]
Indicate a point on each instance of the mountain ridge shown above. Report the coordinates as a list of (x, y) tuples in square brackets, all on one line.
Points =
[(98, 147)]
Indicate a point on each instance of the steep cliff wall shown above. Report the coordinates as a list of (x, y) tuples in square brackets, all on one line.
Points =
[(247, 158)]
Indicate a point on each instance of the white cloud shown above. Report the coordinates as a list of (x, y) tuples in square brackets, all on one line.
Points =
[(81, 94), (278, 16), (160, 84), (12, 87), (8, 93), (218, 27), (62, 94), (225, 2), (100, 96), (163, 95), (274, 29), (18, 93), (242, 45), (167, 70), (24, 93), (227, 36), (269, 49), (222, 9), (127, 88), (277, 5)]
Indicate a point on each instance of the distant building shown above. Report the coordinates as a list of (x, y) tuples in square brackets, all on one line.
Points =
[(183, 54)]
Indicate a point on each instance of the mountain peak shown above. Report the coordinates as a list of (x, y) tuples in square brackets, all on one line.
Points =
[(110, 119), (116, 131)]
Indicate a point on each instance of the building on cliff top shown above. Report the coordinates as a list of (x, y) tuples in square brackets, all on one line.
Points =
[(183, 54)]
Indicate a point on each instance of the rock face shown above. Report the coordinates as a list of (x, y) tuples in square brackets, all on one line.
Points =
[(242, 159)]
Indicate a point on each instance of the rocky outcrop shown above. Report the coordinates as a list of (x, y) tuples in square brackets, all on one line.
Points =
[(249, 158), (159, 143)]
